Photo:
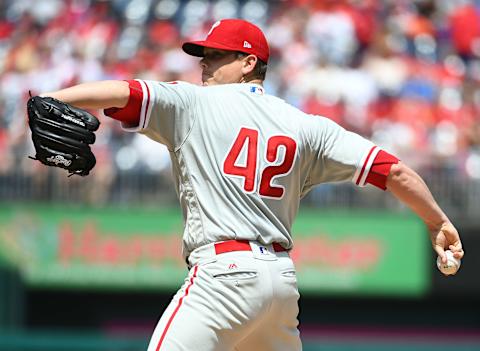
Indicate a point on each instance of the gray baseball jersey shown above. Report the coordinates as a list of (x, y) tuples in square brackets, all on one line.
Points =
[(243, 159)]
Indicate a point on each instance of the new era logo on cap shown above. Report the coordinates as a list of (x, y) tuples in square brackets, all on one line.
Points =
[(232, 35), (215, 25)]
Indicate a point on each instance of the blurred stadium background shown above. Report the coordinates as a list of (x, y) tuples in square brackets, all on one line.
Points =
[(89, 264)]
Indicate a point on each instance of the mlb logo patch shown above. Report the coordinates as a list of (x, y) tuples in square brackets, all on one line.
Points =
[(257, 90), (246, 44)]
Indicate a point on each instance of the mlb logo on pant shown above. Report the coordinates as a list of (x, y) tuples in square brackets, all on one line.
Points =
[(263, 250)]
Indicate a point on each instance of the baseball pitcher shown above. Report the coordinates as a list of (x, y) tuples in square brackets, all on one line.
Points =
[(242, 160)]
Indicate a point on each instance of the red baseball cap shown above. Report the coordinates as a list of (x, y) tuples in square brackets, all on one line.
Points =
[(232, 35)]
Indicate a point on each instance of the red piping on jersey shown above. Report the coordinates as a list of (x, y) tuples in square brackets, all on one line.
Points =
[(364, 165), (146, 106), (177, 308)]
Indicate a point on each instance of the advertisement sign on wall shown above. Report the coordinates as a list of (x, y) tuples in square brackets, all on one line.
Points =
[(335, 252)]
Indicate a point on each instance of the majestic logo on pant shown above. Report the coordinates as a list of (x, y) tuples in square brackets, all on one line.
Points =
[(232, 266)]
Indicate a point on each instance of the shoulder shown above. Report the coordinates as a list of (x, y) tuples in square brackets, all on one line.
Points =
[(175, 90), (167, 86), (319, 122), (316, 129), (176, 85)]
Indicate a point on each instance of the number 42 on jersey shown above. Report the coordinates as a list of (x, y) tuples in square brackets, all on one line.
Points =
[(248, 171)]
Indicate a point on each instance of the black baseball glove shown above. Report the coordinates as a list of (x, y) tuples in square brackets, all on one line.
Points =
[(62, 134)]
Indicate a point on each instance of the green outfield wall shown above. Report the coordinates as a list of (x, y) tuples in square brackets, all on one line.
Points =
[(361, 252)]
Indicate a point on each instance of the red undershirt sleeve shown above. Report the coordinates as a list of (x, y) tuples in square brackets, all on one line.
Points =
[(380, 169), (130, 114)]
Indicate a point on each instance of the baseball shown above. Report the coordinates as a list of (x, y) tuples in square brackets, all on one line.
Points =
[(452, 265)]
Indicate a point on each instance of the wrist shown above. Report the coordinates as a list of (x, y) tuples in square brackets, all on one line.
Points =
[(438, 225)]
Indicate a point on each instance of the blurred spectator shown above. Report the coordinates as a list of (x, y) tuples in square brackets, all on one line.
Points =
[(465, 29), (404, 73)]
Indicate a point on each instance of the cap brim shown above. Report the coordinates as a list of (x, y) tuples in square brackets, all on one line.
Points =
[(195, 48)]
